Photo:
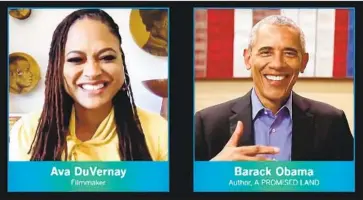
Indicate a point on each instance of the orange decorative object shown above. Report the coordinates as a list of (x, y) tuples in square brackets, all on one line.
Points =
[(159, 87)]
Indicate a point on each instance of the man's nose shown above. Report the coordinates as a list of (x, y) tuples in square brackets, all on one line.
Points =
[(278, 61)]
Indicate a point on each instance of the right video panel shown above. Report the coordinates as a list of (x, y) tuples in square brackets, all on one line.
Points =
[(274, 100)]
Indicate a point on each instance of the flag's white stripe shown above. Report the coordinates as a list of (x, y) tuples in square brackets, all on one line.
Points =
[(243, 20), (325, 43), (293, 14), (307, 22)]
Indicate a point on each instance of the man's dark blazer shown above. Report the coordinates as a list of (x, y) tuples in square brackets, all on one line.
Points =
[(320, 132)]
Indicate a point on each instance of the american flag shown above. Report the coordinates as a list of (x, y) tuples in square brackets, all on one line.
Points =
[(222, 34)]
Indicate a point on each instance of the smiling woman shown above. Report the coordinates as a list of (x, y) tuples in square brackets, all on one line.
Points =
[(89, 112)]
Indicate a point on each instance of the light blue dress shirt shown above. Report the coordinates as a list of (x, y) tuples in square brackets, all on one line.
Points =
[(273, 130)]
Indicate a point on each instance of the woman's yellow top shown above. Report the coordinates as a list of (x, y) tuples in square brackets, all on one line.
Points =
[(103, 146)]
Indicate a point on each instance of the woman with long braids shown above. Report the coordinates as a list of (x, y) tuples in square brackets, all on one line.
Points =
[(89, 112)]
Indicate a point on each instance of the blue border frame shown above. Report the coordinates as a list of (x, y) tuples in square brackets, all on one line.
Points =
[(103, 8), (354, 75)]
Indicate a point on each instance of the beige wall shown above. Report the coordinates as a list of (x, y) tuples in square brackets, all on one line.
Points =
[(33, 36), (338, 93)]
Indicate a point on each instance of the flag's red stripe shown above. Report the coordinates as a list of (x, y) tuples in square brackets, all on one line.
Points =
[(220, 43), (340, 43)]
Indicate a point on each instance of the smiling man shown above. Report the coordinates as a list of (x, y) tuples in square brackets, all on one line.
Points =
[(271, 122)]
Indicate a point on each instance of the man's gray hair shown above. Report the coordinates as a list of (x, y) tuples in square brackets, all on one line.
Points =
[(276, 20)]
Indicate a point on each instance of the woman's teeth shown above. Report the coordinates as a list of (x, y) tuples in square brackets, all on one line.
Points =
[(93, 87)]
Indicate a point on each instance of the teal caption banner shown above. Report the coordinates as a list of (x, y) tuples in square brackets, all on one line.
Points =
[(88, 176), (274, 176)]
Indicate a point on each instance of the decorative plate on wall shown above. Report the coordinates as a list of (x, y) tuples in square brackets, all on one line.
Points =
[(24, 73), (149, 28), (20, 13)]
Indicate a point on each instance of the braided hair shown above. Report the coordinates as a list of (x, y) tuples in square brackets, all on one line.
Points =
[(50, 140)]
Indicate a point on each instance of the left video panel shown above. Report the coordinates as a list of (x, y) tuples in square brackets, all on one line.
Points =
[(88, 94)]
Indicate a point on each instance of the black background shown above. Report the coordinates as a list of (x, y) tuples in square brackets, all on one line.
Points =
[(181, 101)]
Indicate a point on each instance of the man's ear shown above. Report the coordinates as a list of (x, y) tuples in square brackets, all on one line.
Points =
[(305, 60), (246, 57)]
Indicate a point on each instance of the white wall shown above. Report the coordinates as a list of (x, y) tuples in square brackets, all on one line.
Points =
[(33, 36)]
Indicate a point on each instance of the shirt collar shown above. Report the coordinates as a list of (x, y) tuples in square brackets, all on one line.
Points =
[(104, 133), (257, 105)]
